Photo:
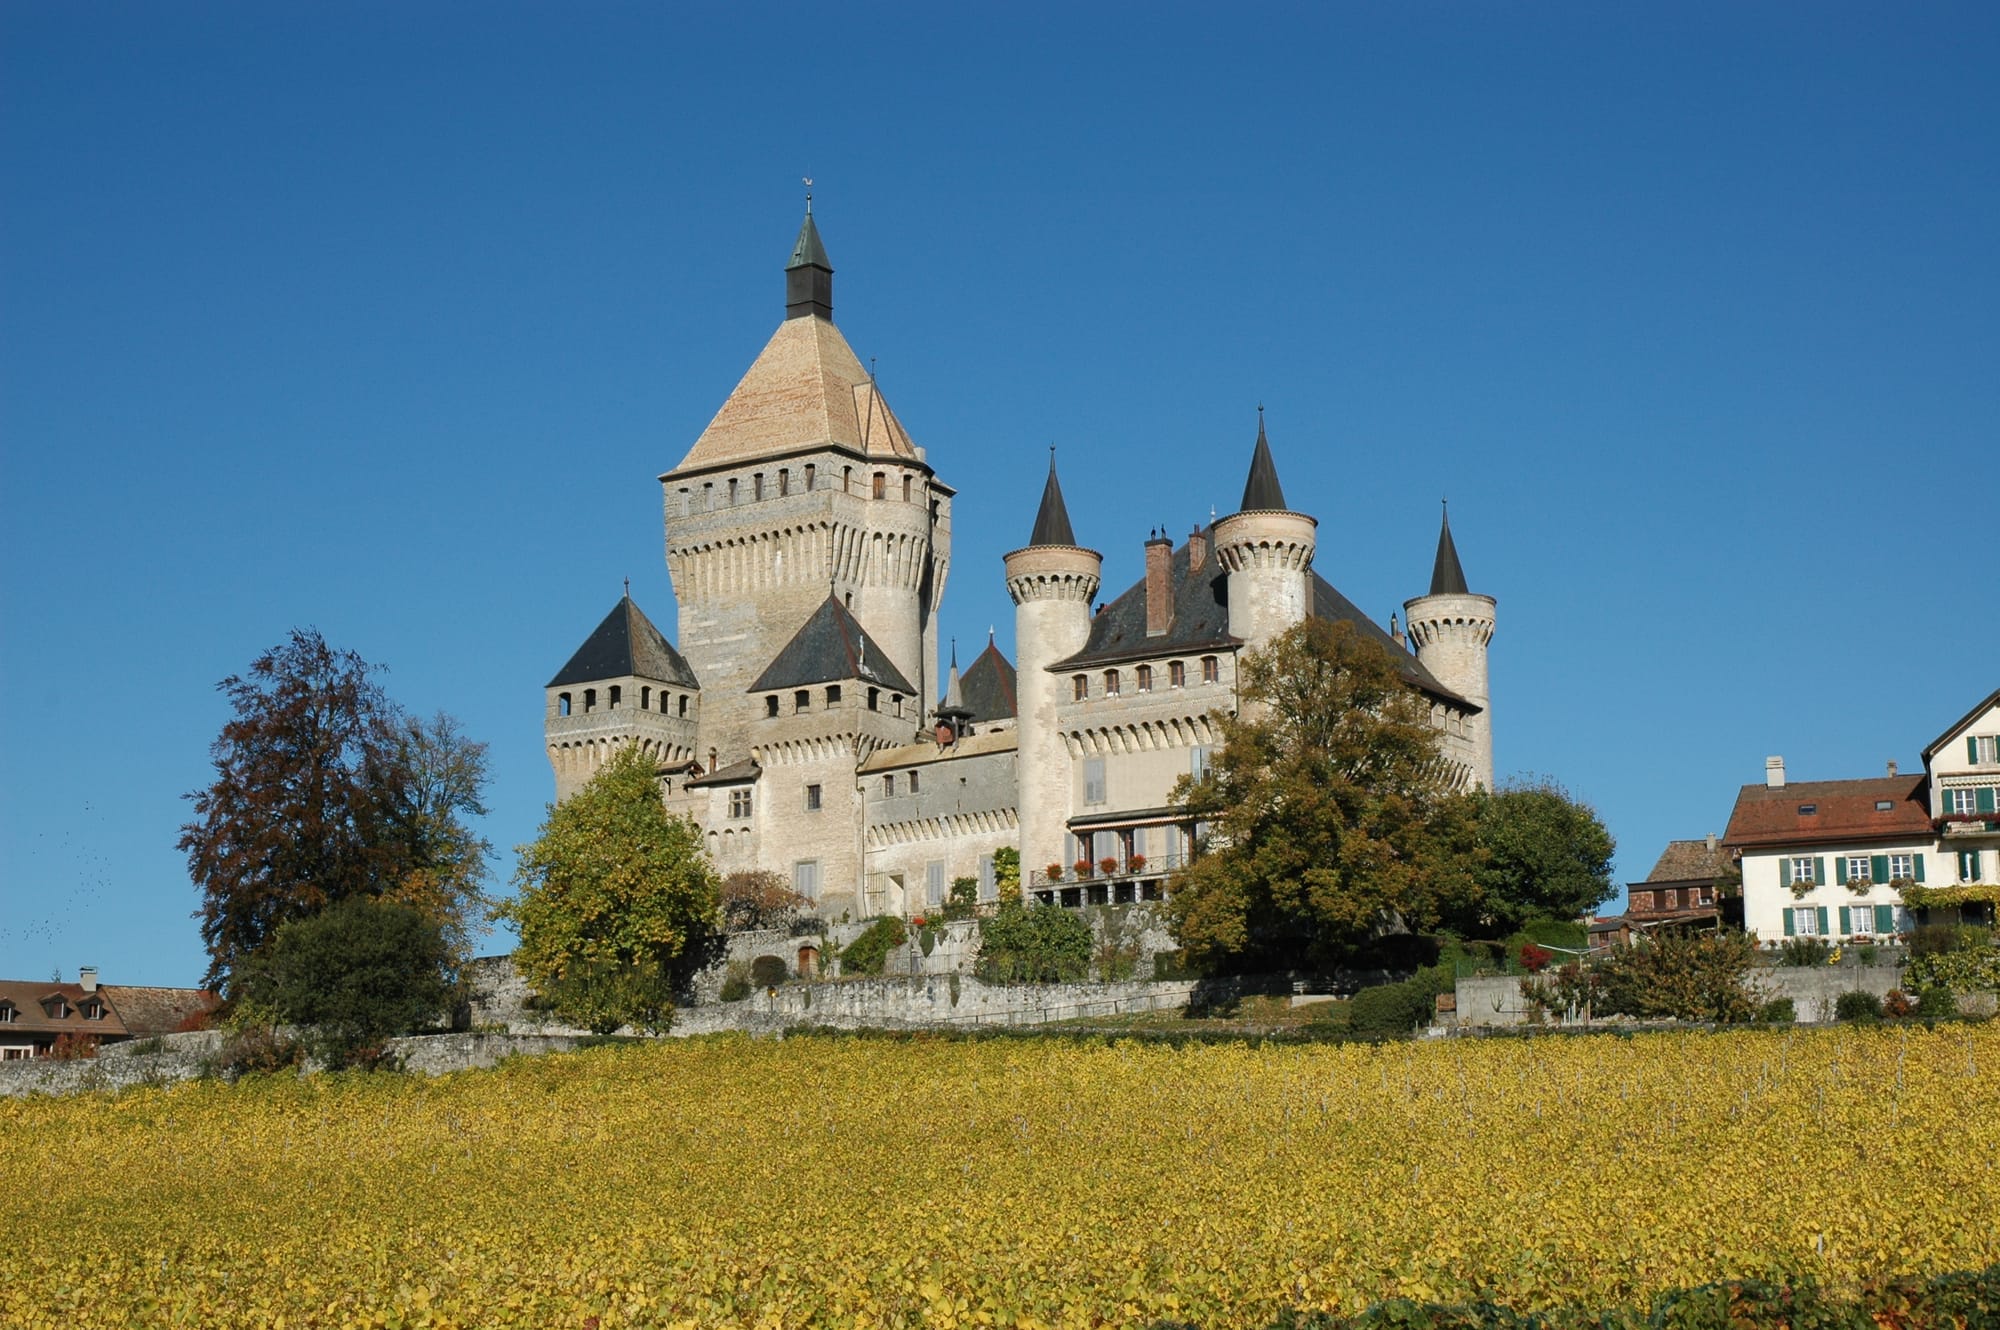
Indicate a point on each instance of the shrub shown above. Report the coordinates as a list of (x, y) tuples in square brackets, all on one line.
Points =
[(768, 972), (1033, 944), (1933, 939), (255, 1048), (1534, 958), (963, 902), (1391, 1009), (759, 899), (1678, 976), (1968, 970), (1803, 951), (1778, 1011), (605, 995), (1936, 1003), (1858, 1006), (736, 986), (72, 1047), (1896, 1004), (868, 953), (1171, 965)]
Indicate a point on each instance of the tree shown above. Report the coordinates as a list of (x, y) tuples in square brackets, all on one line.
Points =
[(1332, 812), (1547, 856), (325, 791), (759, 898), (1033, 944), (1676, 975), (355, 973), (616, 897)]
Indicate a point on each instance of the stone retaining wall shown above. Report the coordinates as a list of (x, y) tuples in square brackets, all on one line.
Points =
[(1495, 1000)]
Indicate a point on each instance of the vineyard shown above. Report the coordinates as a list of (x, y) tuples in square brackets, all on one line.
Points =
[(861, 1182)]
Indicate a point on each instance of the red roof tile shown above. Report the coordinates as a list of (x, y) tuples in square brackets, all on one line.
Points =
[(1843, 810)]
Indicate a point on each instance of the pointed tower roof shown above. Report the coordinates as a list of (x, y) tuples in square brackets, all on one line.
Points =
[(829, 647), (1052, 519), (1261, 491), (1447, 577), (626, 643), (954, 699), (807, 251), (987, 689), (808, 274)]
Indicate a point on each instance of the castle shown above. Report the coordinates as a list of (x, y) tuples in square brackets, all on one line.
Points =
[(808, 539)]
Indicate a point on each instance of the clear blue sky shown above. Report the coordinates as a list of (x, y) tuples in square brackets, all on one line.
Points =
[(384, 319)]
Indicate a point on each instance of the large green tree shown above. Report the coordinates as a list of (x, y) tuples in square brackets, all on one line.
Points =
[(1546, 856), (1331, 812), (616, 896), (324, 791)]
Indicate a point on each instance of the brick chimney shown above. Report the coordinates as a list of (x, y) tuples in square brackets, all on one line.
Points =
[(1159, 584), (86, 978), (1774, 773), (1197, 547)]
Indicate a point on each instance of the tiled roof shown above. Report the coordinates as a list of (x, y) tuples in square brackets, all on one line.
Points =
[(1689, 861), (924, 751), (626, 642), (736, 773), (830, 646), (31, 1018), (805, 389), (1201, 622), (1843, 810), (151, 1011), (986, 689)]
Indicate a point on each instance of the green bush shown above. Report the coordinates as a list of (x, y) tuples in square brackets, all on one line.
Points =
[(1858, 1006), (1033, 944), (963, 902), (1936, 1003), (1391, 1009), (868, 953), (1970, 969), (735, 988), (1932, 939), (604, 996), (768, 972), (1172, 965), (1803, 951), (1678, 976), (1778, 1011)]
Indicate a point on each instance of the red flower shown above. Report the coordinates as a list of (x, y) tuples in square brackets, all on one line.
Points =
[(1534, 959)]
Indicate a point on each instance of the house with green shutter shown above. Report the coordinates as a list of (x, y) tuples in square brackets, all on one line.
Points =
[(1861, 860)]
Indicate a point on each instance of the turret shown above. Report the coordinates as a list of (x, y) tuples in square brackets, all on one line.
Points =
[(1450, 629), (1267, 550), (1053, 581), (809, 274), (625, 684)]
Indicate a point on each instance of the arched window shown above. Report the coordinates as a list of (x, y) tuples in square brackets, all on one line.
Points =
[(757, 486), (645, 699), (562, 704), (832, 693), (771, 705), (802, 700), (1177, 673), (1211, 670), (1145, 678), (732, 491), (881, 485), (1111, 683), (1080, 687), (683, 705), (617, 696), (589, 699), (847, 480)]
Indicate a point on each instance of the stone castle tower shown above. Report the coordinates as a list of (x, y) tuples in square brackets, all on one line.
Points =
[(805, 485), (1450, 629)]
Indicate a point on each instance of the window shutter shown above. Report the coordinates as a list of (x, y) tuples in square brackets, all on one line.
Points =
[(1822, 920), (1846, 921), (1983, 799), (1885, 919), (1790, 926), (1878, 867), (1972, 749), (1917, 864), (1819, 872)]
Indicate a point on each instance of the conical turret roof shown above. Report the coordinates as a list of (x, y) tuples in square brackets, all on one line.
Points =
[(807, 251), (1447, 576), (626, 644), (1052, 518), (1261, 491)]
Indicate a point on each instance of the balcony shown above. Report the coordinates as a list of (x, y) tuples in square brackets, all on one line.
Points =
[(1107, 882)]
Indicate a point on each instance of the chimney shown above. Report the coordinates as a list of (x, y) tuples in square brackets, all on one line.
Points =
[(1892, 766), (86, 978), (1197, 547), (1711, 842), (1159, 583), (1396, 634), (1774, 773)]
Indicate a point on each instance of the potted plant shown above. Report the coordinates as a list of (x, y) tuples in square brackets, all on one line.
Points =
[(1082, 867), (1860, 886), (1137, 863), (1053, 872), (1107, 865)]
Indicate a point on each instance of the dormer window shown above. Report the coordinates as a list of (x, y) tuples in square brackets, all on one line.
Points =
[(93, 1011), (9, 1013), (57, 1008), (1808, 810)]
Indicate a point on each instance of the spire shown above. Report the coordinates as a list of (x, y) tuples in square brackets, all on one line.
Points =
[(809, 274), (1052, 521), (1447, 577), (953, 698), (1261, 492)]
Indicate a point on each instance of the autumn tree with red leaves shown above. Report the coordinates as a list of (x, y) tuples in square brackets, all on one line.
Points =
[(324, 791)]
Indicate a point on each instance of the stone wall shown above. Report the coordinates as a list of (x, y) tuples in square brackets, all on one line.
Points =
[(1495, 1000), (169, 1059)]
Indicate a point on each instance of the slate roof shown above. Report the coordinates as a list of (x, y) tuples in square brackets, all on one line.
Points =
[(736, 773), (807, 251), (986, 689), (1958, 726), (1261, 491), (1052, 518), (1689, 861), (1447, 576), (150, 1011), (806, 389), (1201, 622), (1844, 810), (626, 643), (831, 646)]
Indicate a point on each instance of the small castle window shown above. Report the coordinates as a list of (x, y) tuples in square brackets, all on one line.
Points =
[(617, 696), (881, 485), (874, 699), (896, 703), (811, 472), (812, 798), (771, 705), (1177, 674), (915, 784), (645, 699), (707, 496), (832, 693), (847, 480), (1145, 678), (732, 491), (802, 700), (1111, 683), (590, 699), (1211, 670), (889, 786), (739, 803), (1079, 687), (683, 704), (757, 485), (784, 481), (562, 704), (906, 489)]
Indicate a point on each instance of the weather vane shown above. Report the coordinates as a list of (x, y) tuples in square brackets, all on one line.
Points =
[(809, 192)]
